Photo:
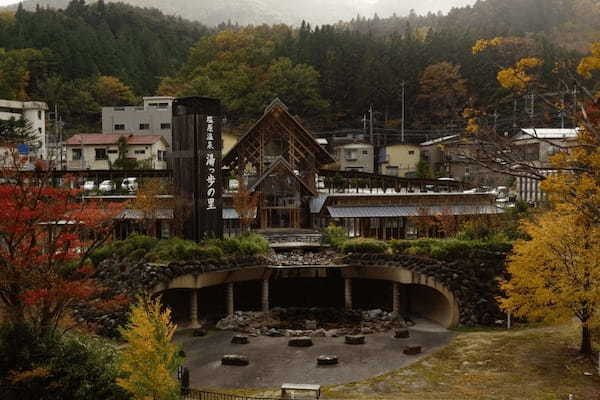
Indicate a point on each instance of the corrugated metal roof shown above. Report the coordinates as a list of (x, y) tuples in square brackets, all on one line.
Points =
[(546, 133), (410, 211)]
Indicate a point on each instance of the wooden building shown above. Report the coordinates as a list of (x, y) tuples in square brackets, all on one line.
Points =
[(283, 164)]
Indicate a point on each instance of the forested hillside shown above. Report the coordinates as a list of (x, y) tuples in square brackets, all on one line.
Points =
[(110, 53)]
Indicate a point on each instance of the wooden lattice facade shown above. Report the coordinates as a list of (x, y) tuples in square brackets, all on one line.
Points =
[(280, 160)]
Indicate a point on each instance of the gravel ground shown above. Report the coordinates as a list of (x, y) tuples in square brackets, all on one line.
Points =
[(273, 363)]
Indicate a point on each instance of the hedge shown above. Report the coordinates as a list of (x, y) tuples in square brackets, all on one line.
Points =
[(144, 248)]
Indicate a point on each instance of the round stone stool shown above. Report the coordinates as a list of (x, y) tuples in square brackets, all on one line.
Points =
[(355, 339), (412, 350), (402, 334), (327, 360), (235, 359), (239, 339), (303, 341)]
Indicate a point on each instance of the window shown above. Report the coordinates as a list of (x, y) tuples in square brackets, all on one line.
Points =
[(411, 152), (139, 152), (39, 115), (365, 152), (119, 127), (112, 151), (162, 155), (101, 154), (350, 155), (165, 125), (76, 154), (144, 126), (392, 171)]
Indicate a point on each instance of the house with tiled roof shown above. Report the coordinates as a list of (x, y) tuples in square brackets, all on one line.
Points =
[(91, 151)]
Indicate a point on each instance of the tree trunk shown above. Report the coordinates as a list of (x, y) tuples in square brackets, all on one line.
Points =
[(586, 339)]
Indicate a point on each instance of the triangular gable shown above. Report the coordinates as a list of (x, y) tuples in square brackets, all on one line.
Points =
[(277, 107), (281, 163)]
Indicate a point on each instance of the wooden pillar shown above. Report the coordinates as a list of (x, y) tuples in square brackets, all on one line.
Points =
[(265, 295), (348, 293), (230, 299), (395, 299), (194, 309)]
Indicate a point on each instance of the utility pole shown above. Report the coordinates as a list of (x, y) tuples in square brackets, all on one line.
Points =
[(402, 126), (371, 125), (514, 112), (495, 115)]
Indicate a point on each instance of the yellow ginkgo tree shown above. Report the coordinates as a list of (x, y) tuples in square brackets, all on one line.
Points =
[(150, 359), (555, 276)]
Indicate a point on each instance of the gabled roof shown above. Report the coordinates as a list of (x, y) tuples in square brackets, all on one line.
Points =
[(112, 139), (281, 162), (278, 108)]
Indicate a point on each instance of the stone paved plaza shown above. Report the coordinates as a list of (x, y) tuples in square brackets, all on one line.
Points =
[(273, 363)]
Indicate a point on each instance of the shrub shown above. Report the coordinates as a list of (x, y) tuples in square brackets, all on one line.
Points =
[(334, 236), (366, 245), (249, 244), (452, 249), (134, 248), (54, 367)]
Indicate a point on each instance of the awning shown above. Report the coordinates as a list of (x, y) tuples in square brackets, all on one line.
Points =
[(410, 211)]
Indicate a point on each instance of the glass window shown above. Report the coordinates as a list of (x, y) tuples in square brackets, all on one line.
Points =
[(144, 126), (76, 154), (165, 125), (411, 152), (119, 127), (139, 152), (101, 154)]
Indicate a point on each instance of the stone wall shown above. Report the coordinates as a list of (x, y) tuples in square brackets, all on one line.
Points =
[(474, 282)]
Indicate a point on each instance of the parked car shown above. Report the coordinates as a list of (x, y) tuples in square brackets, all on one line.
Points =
[(129, 184), (107, 186), (88, 186)]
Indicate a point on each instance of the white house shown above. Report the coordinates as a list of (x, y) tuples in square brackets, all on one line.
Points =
[(539, 145), (98, 151), (33, 112)]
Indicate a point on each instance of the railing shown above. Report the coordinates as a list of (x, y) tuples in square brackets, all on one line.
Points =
[(193, 394)]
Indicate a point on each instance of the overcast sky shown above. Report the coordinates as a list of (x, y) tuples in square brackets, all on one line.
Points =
[(419, 5)]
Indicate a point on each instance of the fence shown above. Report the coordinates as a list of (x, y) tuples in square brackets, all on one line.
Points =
[(192, 394)]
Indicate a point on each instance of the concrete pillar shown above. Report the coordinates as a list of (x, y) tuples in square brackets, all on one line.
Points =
[(230, 299), (395, 298), (348, 293), (194, 309), (265, 295)]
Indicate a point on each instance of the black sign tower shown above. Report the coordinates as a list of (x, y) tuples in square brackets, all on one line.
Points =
[(196, 164)]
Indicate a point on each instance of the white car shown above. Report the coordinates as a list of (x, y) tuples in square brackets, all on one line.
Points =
[(130, 184), (88, 186), (107, 186)]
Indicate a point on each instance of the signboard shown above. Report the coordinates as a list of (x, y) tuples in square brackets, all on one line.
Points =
[(196, 164)]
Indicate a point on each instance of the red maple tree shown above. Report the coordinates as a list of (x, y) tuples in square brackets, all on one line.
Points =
[(46, 235)]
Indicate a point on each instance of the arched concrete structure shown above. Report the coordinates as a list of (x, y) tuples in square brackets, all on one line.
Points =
[(436, 301)]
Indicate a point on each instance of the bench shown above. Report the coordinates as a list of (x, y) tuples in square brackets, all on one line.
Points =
[(300, 391)]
